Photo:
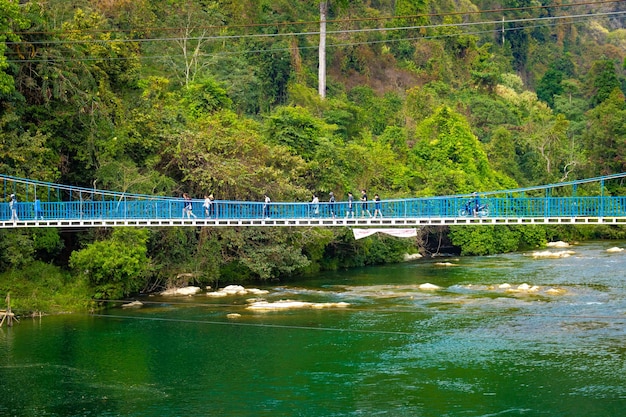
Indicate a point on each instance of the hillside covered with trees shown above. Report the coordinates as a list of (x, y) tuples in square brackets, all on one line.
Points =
[(422, 98)]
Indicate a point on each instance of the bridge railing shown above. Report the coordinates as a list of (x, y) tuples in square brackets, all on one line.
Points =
[(167, 209)]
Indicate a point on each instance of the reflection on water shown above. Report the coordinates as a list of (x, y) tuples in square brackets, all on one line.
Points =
[(501, 335)]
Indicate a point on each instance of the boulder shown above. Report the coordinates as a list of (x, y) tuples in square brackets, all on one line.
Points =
[(132, 304), (181, 291), (233, 289), (236, 290), (293, 304), (553, 255), (188, 290), (429, 287), (411, 257), (558, 244)]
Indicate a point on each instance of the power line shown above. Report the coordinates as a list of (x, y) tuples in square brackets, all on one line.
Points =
[(274, 326), (330, 45), (313, 33), (329, 21), (340, 330)]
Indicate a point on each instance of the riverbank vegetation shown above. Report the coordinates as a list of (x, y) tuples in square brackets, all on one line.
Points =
[(170, 96)]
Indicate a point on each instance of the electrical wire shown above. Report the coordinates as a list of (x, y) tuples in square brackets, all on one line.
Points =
[(335, 329), (330, 45), (275, 326), (313, 33), (331, 21)]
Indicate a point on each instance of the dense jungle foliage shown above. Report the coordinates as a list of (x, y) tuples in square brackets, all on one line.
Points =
[(423, 98)]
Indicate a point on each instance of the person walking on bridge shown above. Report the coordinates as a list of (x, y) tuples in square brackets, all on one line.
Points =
[(208, 205), (350, 210), (266, 206), (13, 207), (476, 203), (377, 206), (365, 209), (38, 210), (315, 205), (188, 208)]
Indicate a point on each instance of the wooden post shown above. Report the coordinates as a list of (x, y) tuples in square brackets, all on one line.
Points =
[(7, 315)]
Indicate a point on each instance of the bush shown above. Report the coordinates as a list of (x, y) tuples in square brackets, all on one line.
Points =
[(485, 240), (115, 267), (47, 289)]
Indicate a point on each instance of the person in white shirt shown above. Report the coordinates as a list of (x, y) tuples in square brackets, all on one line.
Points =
[(13, 207), (315, 205), (266, 206), (208, 205)]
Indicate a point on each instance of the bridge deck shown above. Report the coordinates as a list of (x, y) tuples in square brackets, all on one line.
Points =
[(40, 204), (306, 222)]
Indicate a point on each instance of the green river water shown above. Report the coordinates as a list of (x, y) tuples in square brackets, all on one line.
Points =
[(473, 347)]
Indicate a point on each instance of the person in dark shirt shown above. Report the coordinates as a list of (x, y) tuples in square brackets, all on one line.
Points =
[(377, 206), (476, 203), (350, 210), (188, 206), (365, 209)]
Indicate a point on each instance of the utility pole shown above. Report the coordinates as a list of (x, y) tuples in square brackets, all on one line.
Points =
[(322, 50)]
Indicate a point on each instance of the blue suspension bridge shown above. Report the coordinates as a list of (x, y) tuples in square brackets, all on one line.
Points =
[(30, 203)]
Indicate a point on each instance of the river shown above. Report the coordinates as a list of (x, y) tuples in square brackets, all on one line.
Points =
[(365, 342)]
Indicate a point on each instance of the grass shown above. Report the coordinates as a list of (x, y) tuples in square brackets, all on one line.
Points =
[(44, 288)]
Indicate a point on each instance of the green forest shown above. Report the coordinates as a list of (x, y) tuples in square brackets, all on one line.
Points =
[(421, 98)]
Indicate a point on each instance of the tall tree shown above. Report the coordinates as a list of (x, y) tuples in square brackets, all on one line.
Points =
[(11, 19), (196, 22), (546, 134), (225, 155), (549, 86), (517, 36), (450, 157), (23, 153), (605, 136), (601, 81)]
